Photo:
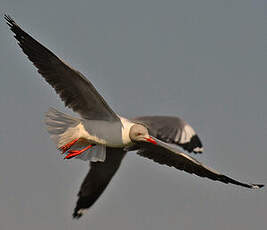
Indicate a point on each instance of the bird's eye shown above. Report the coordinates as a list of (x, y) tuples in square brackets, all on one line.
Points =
[(138, 134)]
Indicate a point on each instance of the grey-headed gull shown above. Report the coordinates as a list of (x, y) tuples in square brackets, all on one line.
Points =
[(103, 137)]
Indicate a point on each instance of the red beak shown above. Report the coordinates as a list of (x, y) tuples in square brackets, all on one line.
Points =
[(151, 140)]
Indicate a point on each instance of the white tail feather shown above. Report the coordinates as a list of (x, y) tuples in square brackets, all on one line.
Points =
[(64, 128), (61, 127)]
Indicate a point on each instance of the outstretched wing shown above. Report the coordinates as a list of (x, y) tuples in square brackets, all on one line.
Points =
[(73, 88), (172, 130), (97, 179), (166, 154)]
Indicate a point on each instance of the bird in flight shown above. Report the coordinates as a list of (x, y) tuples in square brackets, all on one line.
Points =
[(101, 136)]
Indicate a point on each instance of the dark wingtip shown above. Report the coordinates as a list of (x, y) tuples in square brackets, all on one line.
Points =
[(77, 214), (14, 27), (197, 145), (194, 145), (257, 186), (9, 20)]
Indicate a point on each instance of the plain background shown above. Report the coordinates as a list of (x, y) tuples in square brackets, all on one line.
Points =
[(202, 60)]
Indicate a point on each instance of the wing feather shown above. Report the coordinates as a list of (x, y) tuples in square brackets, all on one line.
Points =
[(73, 88), (97, 179), (166, 154), (172, 130)]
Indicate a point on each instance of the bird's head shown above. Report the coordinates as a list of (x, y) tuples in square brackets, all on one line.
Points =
[(140, 133)]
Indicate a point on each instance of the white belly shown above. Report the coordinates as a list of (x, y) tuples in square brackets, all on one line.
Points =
[(101, 132)]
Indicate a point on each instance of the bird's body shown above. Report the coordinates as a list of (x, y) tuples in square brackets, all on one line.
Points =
[(64, 128), (104, 132), (102, 136)]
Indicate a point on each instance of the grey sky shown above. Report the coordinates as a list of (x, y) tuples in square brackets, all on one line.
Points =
[(202, 60)]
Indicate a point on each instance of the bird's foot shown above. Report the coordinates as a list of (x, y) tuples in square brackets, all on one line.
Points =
[(66, 147), (74, 153)]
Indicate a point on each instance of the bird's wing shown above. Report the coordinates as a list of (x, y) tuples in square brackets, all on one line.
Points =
[(97, 179), (73, 88), (172, 130), (166, 154)]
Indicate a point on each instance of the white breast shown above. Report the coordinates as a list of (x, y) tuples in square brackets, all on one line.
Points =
[(125, 131)]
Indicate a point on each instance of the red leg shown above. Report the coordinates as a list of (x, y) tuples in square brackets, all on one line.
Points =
[(66, 147), (74, 153)]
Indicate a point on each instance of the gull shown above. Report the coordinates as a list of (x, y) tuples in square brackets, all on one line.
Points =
[(101, 136)]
